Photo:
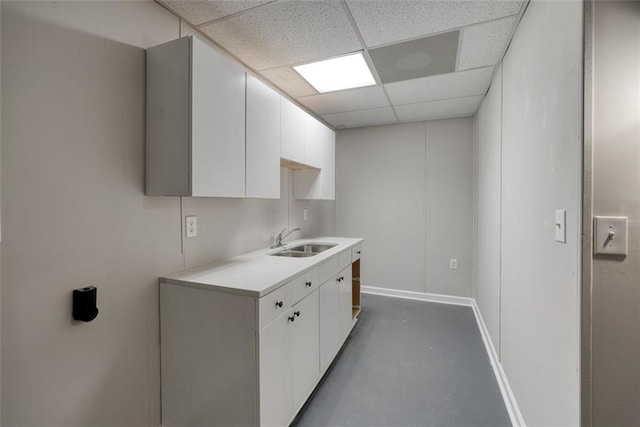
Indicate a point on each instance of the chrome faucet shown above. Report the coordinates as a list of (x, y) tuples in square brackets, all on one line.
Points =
[(280, 237)]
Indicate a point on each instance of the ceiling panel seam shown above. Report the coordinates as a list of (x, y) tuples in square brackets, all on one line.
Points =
[(365, 51), (233, 15), (449, 30)]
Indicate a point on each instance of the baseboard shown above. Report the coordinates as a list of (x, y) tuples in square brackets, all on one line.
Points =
[(503, 383), (420, 296), (501, 377)]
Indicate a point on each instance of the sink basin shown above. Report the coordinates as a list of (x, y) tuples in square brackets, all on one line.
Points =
[(314, 248), (306, 250), (294, 254)]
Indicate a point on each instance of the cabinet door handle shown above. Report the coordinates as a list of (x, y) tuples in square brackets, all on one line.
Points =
[(308, 284), (292, 319), (279, 304), (358, 252), (297, 313)]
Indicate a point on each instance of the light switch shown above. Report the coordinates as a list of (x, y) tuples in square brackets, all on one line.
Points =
[(561, 226), (305, 214), (610, 235), (191, 225)]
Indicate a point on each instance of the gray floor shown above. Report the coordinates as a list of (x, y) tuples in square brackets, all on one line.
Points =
[(409, 363)]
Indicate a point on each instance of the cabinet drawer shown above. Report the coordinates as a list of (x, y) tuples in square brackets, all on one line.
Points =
[(327, 270), (303, 285), (356, 251), (274, 304), (344, 259)]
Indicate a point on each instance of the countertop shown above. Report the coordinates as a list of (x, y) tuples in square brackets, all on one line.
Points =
[(257, 273)]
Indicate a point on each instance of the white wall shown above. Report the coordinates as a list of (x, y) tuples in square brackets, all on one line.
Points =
[(616, 191), (75, 214), (541, 170), (488, 207), (407, 189)]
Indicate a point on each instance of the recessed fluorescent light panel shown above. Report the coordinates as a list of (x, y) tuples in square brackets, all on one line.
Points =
[(344, 72)]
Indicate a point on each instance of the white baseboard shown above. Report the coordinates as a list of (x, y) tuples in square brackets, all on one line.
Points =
[(420, 296), (501, 377), (503, 383)]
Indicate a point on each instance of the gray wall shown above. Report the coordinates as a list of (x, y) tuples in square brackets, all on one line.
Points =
[(541, 125), (488, 167), (75, 214), (407, 189), (616, 191)]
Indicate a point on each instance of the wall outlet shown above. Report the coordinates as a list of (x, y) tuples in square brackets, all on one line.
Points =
[(305, 214), (191, 226), (453, 264)]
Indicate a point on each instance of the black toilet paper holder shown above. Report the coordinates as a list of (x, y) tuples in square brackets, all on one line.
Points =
[(85, 303)]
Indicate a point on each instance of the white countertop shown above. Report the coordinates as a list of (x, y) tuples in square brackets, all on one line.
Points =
[(257, 273)]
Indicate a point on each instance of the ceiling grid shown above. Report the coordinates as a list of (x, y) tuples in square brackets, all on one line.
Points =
[(272, 36)]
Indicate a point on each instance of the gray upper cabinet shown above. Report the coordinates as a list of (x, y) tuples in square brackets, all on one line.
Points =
[(195, 122)]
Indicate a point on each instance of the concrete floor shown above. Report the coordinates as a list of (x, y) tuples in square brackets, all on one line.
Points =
[(409, 363)]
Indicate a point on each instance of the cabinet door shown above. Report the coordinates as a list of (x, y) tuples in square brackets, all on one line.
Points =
[(318, 184), (305, 349), (217, 124), (313, 142), (329, 322), (263, 140), (294, 123), (276, 397), (346, 304)]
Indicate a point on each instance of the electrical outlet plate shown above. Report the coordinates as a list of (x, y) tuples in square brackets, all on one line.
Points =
[(305, 214), (610, 235), (453, 264), (191, 226)]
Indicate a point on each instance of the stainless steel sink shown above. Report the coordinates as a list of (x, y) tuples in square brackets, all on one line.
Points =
[(293, 254), (306, 250), (314, 248)]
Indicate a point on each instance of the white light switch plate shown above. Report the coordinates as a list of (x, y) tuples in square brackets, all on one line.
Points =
[(610, 235), (561, 226), (191, 225), (305, 214)]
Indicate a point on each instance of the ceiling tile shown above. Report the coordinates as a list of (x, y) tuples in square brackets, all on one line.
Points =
[(388, 21), (438, 109), (376, 116), (284, 33), (346, 100), (426, 56), (200, 11), (484, 44), (443, 86), (289, 81)]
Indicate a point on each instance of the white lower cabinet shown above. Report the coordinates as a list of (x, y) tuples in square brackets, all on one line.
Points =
[(329, 322), (276, 398), (305, 348), (346, 304), (237, 360), (336, 318)]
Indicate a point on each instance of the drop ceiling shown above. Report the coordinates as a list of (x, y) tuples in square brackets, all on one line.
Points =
[(431, 58)]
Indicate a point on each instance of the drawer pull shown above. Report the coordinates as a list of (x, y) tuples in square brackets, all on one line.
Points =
[(292, 319), (279, 304), (308, 284), (358, 252), (297, 313)]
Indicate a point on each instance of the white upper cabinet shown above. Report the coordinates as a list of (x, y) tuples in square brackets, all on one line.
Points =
[(263, 141), (214, 131), (195, 122), (312, 184), (294, 122)]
